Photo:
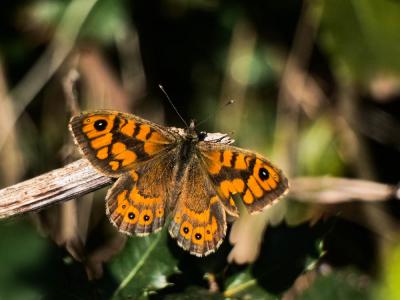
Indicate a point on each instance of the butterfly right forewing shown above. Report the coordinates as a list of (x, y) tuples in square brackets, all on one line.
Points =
[(235, 171)]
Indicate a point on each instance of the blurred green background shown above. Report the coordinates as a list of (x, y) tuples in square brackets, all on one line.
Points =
[(316, 86)]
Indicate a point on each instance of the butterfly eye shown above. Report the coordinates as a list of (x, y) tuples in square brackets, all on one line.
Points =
[(202, 135), (100, 125), (263, 174)]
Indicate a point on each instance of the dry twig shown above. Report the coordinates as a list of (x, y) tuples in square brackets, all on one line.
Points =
[(71, 181)]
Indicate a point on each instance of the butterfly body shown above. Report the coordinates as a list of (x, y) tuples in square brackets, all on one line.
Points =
[(189, 176)]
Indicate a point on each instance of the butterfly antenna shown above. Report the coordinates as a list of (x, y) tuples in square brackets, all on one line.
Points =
[(215, 112), (172, 104)]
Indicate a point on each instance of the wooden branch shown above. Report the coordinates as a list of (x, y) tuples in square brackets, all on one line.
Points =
[(79, 178), (71, 181)]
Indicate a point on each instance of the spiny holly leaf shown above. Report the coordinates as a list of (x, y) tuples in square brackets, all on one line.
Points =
[(143, 266)]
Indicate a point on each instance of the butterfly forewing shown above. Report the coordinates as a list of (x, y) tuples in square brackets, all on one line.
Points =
[(115, 142), (235, 171)]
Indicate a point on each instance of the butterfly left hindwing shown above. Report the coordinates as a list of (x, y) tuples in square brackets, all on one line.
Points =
[(138, 201)]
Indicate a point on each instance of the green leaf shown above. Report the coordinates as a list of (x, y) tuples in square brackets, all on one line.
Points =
[(346, 284), (143, 266), (243, 285)]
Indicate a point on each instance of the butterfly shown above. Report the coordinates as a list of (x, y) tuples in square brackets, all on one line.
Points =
[(183, 176)]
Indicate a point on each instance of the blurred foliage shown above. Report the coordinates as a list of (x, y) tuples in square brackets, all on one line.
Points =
[(373, 38), (344, 284), (316, 83)]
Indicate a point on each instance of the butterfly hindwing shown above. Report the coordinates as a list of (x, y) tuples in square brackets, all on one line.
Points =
[(115, 142), (235, 171), (198, 221), (137, 202)]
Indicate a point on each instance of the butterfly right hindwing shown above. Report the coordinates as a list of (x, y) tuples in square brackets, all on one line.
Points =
[(198, 221)]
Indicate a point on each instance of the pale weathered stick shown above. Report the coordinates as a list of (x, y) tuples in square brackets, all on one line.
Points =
[(71, 181)]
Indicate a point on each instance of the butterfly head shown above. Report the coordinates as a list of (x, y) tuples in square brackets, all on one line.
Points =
[(193, 134)]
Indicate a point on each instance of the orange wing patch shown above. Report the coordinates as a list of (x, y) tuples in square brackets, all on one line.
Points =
[(102, 153), (127, 127), (101, 141)]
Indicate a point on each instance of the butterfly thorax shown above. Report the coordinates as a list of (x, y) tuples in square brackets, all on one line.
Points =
[(188, 144)]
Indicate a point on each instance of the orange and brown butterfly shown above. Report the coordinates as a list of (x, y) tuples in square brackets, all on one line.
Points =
[(167, 173)]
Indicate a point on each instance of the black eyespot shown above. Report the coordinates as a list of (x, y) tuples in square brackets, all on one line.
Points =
[(123, 206), (185, 230), (100, 125), (263, 174), (201, 135), (131, 215), (146, 218), (197, 236)]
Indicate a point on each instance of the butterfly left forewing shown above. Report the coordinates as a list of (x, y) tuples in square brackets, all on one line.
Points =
[(115, 142), (235, 171)]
